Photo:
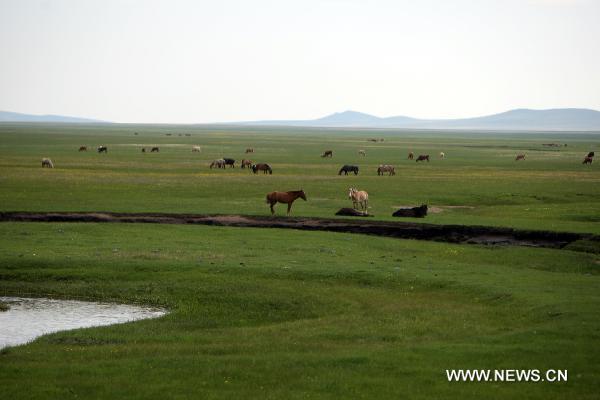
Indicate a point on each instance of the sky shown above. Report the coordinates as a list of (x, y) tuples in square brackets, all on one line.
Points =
[(178, 61)]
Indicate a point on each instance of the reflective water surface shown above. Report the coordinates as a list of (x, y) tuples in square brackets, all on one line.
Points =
[(29, 318)]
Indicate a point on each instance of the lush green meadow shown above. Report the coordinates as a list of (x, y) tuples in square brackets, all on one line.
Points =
[(478, 183), (267, 313)]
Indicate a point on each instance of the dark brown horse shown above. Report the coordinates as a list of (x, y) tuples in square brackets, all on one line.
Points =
[(423, 157), (284, 197), (249, 150), (154, 150), (520, 157), (327, 153), (265, 168), (83, 148)]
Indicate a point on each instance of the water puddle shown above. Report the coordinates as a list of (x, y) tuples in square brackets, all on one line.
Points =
[(29, 318)]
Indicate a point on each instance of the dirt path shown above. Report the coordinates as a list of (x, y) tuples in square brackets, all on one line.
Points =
[(405, 230)]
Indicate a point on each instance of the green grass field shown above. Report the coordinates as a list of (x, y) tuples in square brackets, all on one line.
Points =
[(267, 313)]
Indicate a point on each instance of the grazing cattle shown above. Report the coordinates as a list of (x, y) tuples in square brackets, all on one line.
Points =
[(83, 148), (220, 163), (411, 155), (265, 168), (442, 155), (348, 168), (47, 163), (284, 197), (358, 197), (362, 153), (386, 168), (423, 157), (351, 212), (591, 154), (155, 150), (247, 163), (196, 149), (327, 153), (520, 157), (102, 149), (588, 160), (249, 150), (143, 149), (230, 162), (415, 212)]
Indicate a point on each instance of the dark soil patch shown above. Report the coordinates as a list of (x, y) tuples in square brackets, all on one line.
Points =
[(405, 230)]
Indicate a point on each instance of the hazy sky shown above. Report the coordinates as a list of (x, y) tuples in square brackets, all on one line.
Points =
[(226, 60)]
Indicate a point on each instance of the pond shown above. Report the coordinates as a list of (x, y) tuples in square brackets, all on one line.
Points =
[(29, 318)]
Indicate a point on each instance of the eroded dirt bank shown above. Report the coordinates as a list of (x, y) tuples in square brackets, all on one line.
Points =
[(405, 230)]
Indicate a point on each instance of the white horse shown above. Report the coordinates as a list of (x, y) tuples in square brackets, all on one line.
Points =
[(442, 154), (196, 149), (46, 162), (358, 197), (220, 163)]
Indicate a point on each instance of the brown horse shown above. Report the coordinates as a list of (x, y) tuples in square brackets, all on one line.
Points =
[(246, 163), (249, 150), (423, 157), (327, 153), (411, 155), (520, 157), (284, 197), (265, 168), (83, 148)]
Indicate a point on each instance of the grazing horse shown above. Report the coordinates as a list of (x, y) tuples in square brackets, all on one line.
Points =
[(46, 162), (284, 197), (348, 168), (327, 153), (358, 197), (102, 149), (442, 155), (155, 150), (588, 160), (520, 157), (262, 167), (386, 168), (362, 153), (196, 149), (230, 162), (247, 163), (411, 155), (220, 163), (372, 140), (423, 157), (249, 150), (83, 148)]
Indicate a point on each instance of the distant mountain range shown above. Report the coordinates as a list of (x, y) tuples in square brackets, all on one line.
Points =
[(559, 119), (7, 116)]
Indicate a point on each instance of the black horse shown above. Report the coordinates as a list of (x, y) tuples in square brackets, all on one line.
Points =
[(229, 161), (102, 149), (349, 168)]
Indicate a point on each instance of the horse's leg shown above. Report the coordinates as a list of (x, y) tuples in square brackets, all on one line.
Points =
[(272, 210), (289, 207)]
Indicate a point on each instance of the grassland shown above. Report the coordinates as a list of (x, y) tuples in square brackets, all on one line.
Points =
[(478, 183), (267, 313)]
